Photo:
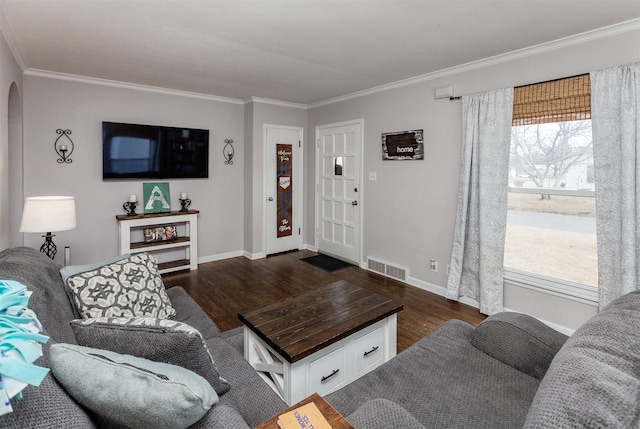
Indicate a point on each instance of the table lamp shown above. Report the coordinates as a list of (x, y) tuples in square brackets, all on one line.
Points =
[(47, 214)]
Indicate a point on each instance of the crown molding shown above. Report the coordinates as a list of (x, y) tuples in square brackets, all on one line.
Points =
[(127, 85), (623, 27), (9, 36), (259, 100), (573, 40)]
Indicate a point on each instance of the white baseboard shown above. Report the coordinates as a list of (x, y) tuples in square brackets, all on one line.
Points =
[(311, 247), (220, 256), (439, 290), (254, 256)]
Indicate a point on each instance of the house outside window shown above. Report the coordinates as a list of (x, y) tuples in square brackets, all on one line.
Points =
[(551, 226)]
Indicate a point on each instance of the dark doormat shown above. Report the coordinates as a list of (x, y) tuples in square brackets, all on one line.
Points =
[(327, 263)]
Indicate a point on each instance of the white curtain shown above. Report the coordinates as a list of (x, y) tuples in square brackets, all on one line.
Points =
[(615, 119), (478, 246)]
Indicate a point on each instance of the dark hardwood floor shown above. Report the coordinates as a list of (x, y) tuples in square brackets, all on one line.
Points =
[(223, 288)]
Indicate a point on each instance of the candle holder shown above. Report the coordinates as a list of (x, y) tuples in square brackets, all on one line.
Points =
[(184, 204), (130, 208), (64, 150), (228, 151)]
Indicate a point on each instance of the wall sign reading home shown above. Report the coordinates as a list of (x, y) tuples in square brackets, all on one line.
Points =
[(403, 145)]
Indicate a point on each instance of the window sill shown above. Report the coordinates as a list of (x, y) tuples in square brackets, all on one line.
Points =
[(562, 288)]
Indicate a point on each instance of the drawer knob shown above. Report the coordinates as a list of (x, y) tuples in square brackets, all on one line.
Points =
[(371, 351), (326, 377)]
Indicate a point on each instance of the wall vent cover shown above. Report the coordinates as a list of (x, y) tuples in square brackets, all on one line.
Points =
[(388, 270), (376, 266)]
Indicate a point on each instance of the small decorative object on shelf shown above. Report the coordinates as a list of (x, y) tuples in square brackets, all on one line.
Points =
[(228, 151), (63, 149), (130, 206), (185, 202), (160, 233)]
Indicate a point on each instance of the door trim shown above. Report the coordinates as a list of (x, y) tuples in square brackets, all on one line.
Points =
[(361, 198), (297, 209)]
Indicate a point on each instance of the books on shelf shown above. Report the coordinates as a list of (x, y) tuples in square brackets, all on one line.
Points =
[(305, 417)]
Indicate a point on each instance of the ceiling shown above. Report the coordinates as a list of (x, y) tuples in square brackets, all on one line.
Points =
[(301, 51)]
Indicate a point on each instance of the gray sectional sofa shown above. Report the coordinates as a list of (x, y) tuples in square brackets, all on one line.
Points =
[(509, 372)]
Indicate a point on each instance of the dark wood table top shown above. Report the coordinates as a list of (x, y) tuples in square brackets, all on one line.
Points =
[(300, 325), (333, 417)]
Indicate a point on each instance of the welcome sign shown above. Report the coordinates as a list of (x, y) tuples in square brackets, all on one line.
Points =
[(403, 145), (284, 159)]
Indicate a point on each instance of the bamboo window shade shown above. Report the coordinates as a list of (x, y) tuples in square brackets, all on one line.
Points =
[(560, 100)]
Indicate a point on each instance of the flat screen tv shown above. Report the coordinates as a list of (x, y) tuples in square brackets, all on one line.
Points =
[(131, 151)]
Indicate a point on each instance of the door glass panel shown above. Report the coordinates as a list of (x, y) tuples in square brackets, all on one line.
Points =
[(339, 143), (338, 235), (326, 209), (338, 162), (338, 213), (327, 188), (349, 236), (338, 189), (327, 144), (328, 166), (349, 143)]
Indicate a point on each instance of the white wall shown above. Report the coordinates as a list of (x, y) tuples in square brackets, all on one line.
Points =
[(51, 103), (10, 142), (409, 212)]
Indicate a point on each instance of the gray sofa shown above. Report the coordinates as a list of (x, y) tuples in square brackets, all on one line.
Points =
[(509, 372)]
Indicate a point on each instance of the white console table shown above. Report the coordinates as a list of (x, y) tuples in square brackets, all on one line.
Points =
[(187, 242)]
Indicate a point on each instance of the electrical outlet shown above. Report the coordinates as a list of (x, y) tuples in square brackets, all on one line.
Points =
[(448, 269), (433, 265)]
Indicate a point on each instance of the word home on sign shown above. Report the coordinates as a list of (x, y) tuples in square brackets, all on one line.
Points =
[(403, 145)]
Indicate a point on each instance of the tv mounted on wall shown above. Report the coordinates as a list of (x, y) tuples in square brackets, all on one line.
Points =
[(131, 151)]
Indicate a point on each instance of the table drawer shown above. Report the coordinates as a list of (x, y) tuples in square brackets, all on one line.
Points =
[(369, 350), (327, 372)]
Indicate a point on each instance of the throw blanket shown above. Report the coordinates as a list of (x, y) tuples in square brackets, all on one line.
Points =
[(19, 343)]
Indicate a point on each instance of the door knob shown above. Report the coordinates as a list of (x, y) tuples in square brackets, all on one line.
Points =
[(270, 199), (354, 203)]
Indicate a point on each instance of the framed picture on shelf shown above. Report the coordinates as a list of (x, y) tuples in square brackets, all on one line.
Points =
[(156, 197), (160, 233)]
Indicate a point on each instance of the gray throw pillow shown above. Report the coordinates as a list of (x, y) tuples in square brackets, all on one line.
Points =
[(129, 287), (160, 340), (72, 270), (134, 392)]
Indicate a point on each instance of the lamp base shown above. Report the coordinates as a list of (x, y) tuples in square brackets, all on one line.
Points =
[(48, 247)]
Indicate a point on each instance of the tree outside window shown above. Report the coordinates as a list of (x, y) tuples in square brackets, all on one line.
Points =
[(551, 218)]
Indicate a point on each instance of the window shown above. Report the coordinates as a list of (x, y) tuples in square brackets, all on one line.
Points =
[(551, 227)]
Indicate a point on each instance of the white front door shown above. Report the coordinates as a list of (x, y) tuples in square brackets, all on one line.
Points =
[(338, 200), (283, 188)]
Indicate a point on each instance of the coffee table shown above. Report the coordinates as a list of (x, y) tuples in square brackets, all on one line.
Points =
[(320, 340)]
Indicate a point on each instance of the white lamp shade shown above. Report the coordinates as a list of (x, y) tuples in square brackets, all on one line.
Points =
[(48, 214)]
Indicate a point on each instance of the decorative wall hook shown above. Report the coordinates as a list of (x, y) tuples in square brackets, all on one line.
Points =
[(228, 151), (62, 148)]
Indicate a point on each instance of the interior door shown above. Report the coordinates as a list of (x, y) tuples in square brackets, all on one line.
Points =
[(338, 203), (283, 188)]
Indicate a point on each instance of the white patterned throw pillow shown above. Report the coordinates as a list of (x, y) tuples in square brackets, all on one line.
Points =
[(131, 287)]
